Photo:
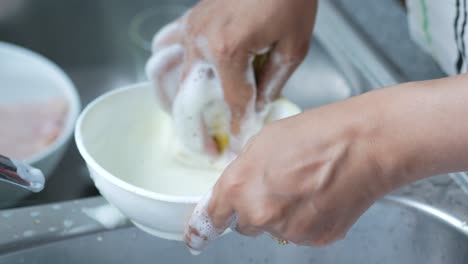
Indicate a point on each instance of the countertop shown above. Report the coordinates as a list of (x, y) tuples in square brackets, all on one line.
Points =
[(384, 24)]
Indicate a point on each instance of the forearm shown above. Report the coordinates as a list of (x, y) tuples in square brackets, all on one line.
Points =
[(422, 129)]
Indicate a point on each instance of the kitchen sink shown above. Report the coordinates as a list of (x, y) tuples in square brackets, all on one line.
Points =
[(100, 46), (103, 45), (394, 230)]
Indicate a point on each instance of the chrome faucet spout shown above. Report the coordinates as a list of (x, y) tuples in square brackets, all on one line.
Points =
[(21, 174)]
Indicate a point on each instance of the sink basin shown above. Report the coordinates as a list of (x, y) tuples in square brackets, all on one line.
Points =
[(92, 42), (394, 230)]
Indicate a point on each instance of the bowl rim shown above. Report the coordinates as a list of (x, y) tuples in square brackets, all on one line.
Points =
[(70, 94), (111, 178)]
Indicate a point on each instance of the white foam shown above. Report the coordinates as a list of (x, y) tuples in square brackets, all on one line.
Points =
[(263, 51), (7, 214), (201, 42), (164, 33), (200, 98), (163, 79), (29, 233), (207, 231), (276, 80), (67, 223), (35, 214), (107, 215)]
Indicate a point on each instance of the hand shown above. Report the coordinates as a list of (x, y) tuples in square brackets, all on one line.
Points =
[(217, 41), (308, 178), (304, 179)]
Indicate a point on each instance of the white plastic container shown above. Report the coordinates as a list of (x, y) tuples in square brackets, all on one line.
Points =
[(115, 136)]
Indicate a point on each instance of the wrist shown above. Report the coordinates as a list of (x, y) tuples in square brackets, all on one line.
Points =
[(393, 145)]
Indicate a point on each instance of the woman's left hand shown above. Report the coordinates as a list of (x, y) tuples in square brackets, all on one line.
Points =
[(304, 179)]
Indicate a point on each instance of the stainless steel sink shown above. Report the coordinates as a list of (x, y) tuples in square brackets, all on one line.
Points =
[(394, 230), (90, 40), (94, 42)]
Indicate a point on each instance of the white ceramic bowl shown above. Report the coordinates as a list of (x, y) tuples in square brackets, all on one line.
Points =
[(27, 76), (115, 136)]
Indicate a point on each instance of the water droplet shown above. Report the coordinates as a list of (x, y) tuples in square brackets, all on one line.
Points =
[(34, 214), (99, 238), (6, 214), (29, 233), (56, 207), (67, 223), (52, 229), (37, 221)]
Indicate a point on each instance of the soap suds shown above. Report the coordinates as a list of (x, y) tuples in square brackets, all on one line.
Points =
[(203, 47), (276, 80), (79, 229), (107, 215), (7, 214), (163, 34), (29, 233), (199, 97), (201, 229), (67, 223), (34, 214), (164, 69)]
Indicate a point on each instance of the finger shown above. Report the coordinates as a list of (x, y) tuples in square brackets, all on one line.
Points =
[(211, 217), (281, 62), (238, 82), (164, 69), (327, 233), (170, 34), (248, 231), (323, 228), (243, 227)]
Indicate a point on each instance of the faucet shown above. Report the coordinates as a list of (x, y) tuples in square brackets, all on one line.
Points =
[(21, 174)]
